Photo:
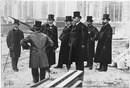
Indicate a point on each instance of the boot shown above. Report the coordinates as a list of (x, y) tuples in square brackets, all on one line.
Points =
[(103, 68), (58, 66)]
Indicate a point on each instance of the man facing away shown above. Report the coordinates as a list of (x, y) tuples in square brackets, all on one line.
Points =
[(13, 42), (38, 57)]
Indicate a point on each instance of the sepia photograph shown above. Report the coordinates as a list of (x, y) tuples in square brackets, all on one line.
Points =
[(65, 43)]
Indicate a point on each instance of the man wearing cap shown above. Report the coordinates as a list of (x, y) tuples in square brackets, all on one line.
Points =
[(64, 48), (38, 57), (78, 42), (51, 30), (104, 46), (92, 37), (13, 42)]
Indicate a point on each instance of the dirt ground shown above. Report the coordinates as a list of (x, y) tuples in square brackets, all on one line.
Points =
[(113, 78)]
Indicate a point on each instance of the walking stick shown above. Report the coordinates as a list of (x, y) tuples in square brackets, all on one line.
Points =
[(6, 61)]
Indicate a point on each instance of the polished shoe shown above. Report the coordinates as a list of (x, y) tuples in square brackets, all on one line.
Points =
[(57, 67), (102, 70), (16, 70), (35, 81)]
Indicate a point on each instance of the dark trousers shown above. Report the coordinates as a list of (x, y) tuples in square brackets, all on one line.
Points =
[(60, 63), (90, 61), (79, 65), (36, 73), (14, 62)]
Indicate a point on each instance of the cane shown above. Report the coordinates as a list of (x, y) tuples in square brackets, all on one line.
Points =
[(6, 61), (49, 75)]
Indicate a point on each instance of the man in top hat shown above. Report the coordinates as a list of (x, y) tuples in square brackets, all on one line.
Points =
[(13, 42), (104, 46), (38, 61), (92, 37), (64, 48), (78, 42), (51, 30)]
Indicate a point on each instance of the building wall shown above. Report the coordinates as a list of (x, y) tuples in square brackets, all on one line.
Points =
[(119, 11)]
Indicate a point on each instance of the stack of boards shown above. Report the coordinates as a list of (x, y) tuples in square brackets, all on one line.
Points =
[(70, 79)]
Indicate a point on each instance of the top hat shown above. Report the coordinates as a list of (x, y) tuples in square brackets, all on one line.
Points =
[(37, 24), (68, 18), (50, 17), (77, 14), (106, 16), (16, 22), (89, 18)]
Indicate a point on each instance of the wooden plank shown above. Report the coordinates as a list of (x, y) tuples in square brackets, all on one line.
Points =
[(58, 80), (72, 78), (77, 84), (39, 83)]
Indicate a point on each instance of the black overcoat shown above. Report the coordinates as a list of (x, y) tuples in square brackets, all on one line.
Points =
[(64, 48), (78, 38), (92, 37), (13, 42), (39, 42), (51, 31), (104, 46)]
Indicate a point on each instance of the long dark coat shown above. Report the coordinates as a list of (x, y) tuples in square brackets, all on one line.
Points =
[(92, 37), (78, 37), (38, 56), (53, 34), (104, 46), (64, 48), (13, 42)]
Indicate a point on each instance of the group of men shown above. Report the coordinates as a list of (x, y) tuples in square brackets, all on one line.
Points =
[(77, 44)]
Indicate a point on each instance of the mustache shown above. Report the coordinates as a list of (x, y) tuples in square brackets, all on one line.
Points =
[(103, 23)]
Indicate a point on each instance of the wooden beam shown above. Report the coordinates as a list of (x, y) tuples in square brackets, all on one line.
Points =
[(77, 84), (60, 79), (74, 77)]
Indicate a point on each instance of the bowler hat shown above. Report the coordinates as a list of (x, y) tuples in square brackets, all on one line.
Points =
[(68, 18), (50, 17), (77, 14), (89, 18), (16, 22), (37, 24), (106, 16)]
